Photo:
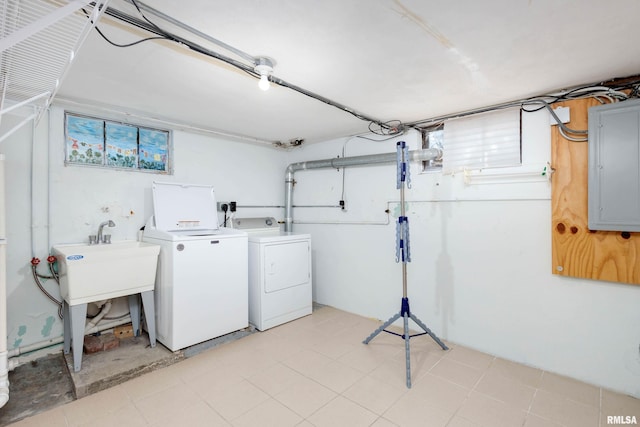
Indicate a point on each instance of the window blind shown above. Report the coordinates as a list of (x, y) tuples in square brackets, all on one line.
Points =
[(486, 140)]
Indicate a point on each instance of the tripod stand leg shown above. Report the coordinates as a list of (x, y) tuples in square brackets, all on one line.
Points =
[(428, 331), (407, 349), (381, 328)]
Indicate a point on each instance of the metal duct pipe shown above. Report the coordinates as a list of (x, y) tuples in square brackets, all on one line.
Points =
[(341, 162)]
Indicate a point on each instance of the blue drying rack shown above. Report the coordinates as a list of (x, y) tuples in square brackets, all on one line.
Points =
[(403, 254)]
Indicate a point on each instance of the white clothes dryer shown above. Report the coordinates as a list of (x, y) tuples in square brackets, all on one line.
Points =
[(280, 283)]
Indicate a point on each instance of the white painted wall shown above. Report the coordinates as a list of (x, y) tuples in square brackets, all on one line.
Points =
[(481, 270), (82, 197), (481, 267)]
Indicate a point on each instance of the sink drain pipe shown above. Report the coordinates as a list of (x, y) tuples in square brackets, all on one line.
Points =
[(341, 162)]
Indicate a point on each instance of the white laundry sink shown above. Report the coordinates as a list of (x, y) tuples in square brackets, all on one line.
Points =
[(98, 272)]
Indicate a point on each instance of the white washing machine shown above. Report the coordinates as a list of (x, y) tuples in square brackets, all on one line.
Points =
[(279, 272), (202, 280)]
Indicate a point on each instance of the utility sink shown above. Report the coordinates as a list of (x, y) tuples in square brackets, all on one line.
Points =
[(91, 273)]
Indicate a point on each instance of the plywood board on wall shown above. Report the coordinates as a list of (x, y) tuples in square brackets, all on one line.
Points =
[(576, 250)]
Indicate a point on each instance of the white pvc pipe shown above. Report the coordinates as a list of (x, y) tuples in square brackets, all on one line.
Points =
[(4, 373), (33, 347), (109, 325), (4, 379), (32, 183), (92, 324)]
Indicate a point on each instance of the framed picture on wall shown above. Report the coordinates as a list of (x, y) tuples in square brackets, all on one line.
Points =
[(97, 142), (84, 140), (154, 149), (121, 145)]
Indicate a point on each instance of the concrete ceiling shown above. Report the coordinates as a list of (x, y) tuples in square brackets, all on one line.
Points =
[(401, 60)]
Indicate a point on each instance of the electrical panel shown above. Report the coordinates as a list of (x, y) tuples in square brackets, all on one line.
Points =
[(614, 166)]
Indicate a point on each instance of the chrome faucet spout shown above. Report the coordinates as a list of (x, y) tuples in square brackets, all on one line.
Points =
[(109, 223)]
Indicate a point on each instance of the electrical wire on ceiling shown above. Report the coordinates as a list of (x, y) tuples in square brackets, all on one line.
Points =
[(378, 127), (161, 35), (392, 127), (128, 44), (386, 138), (597, 91), (600, 91)]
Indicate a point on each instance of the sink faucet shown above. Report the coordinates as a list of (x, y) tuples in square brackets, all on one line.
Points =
[(102, 224)]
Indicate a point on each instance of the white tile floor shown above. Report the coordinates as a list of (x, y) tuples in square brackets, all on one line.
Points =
[(315, 371)]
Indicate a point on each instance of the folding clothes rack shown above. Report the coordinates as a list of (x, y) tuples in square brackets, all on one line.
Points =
[(403, 254)]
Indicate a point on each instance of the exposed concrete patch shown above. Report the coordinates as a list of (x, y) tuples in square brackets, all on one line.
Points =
[(134, 357), (37, 387)]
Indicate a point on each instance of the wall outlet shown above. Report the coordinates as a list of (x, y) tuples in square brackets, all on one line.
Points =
[(563, 113)]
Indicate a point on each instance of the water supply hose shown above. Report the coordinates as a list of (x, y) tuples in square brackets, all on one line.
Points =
[(36, 277)]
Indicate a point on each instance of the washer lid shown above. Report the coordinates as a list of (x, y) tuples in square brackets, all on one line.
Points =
[(184, 207)]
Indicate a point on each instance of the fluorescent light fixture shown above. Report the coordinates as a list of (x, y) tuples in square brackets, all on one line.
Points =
[(513, 175)]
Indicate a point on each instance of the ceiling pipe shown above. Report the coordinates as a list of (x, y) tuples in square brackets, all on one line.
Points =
[(249, 69), (341, 162), (182, 25)]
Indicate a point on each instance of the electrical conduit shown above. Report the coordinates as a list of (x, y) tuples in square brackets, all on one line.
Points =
[(371, 159)]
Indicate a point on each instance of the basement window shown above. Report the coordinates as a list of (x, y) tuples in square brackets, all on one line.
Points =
[(486, 140), (91, 141)]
